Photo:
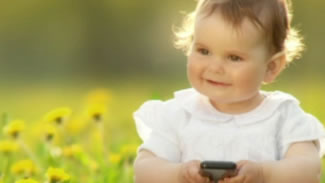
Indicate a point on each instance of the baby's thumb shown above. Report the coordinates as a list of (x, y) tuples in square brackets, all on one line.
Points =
[(194, 168), (192, 171)]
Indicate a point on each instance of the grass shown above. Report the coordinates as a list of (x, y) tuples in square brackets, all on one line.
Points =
[(81, 149)]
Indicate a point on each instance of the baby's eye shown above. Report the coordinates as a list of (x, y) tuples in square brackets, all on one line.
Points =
[(235, 58), (203, 51)]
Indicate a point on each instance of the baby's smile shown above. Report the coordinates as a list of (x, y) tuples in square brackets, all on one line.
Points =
[(218, 83)]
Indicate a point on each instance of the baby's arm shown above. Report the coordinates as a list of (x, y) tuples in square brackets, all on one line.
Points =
[(148, 169), (152, 169), (300, 165)]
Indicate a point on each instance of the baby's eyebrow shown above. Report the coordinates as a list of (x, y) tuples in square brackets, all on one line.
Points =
[(199, 44), (237, 52)]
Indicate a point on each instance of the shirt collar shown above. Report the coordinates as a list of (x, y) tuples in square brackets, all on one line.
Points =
[(199, 107)]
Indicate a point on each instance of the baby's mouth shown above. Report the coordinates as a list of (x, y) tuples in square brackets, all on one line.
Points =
[(218, 83)]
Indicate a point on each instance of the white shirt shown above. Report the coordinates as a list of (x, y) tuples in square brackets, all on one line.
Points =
[(188, 127)]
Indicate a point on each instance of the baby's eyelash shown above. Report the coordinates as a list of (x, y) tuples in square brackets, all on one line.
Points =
[(203, 51), (235, 58)]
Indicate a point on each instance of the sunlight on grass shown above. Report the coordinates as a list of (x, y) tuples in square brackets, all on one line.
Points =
[(76, 134)]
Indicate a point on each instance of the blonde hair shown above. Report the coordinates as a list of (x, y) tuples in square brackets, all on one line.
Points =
[(273, 16)]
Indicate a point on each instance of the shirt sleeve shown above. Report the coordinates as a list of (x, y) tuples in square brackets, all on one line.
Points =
[(300, 126), (158, 133)]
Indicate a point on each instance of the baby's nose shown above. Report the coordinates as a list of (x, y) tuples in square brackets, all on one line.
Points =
[(217, 66)]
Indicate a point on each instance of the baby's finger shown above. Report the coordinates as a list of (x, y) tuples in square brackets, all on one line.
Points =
[(207, 180), (241, 163), (237, 179), (194, 175), (188, 176), (200, 179), (226, 180)]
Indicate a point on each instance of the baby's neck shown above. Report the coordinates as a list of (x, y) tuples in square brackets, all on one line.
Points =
[(239, 107)]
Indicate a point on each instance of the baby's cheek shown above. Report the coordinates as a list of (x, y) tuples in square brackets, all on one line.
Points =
[(248, 81), (195, 72), (194, 66)]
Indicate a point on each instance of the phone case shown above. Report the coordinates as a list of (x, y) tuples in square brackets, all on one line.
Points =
[(217, 170)]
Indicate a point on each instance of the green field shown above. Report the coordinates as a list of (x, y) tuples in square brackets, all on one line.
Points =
[(87, 150)]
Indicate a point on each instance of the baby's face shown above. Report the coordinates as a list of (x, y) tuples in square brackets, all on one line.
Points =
[(226, 64)]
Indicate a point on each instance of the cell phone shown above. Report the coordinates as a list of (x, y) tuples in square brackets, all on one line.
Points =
[(218, 170)]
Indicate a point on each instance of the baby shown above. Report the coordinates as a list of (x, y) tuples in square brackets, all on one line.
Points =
[(233, 47)]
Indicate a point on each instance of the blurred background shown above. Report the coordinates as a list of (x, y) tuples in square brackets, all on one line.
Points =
[(54, 53)]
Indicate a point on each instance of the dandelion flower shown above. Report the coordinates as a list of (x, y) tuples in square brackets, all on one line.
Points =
[(96, 112), (14, 128), (25, 167), (98, 96), (55, 175), (8, 147), (97, 101), (26, 181), (50, 132), (58, 115)]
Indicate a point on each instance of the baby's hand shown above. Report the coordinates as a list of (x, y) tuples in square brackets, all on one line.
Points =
[(189, 173), (248, 172)]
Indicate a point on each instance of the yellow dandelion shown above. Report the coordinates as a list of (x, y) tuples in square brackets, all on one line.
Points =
[(98, 96), (29, 180), (115, 158), (96, 112), (8, 147), (72, 151), (97, 101), (55, 175), (58, 115), (14, 128), (50, 132), (25, 167)]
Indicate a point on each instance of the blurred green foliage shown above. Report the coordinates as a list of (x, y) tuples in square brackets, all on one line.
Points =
[(52, 53), (53, 40)]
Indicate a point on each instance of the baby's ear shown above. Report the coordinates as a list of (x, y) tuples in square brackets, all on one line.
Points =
[(274, 67)]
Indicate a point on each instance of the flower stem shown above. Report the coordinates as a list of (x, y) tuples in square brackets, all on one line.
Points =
[(30, 154), (5, 168)]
